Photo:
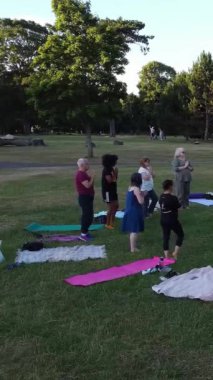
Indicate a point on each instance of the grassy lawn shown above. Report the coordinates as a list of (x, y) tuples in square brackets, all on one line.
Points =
[(120, 330)]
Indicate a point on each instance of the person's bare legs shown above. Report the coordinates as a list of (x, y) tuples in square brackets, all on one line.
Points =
[(176, 251), (114, 209), (166, 254), (133, 240)]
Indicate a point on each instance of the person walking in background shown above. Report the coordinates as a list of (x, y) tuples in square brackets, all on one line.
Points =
[(133, 220), (152, 132), (169, 206), (84, 180), (161, 134), (182, 169), (109, 187), (147, 186)]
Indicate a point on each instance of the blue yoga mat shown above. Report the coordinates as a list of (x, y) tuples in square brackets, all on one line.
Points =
[(35, 227)]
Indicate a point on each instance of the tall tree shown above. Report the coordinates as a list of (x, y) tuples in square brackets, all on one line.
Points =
[(75, 71), (19, 44), (201, 79), (174, 115), (153, 79)]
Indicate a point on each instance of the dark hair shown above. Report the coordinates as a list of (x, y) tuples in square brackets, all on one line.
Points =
[(109, 160), (136, 179), (167, 184)]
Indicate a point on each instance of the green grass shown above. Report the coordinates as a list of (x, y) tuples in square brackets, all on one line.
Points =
[(119, 330)]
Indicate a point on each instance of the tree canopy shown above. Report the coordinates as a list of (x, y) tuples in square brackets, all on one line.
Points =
[(66, 77), (75, 71)]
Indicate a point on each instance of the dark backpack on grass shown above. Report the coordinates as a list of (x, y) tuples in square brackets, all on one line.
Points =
[(33, 246)]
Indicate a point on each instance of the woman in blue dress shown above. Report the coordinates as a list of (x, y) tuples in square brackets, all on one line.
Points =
[(133, 221)]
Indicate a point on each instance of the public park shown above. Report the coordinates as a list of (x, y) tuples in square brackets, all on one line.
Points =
[(106, 262)]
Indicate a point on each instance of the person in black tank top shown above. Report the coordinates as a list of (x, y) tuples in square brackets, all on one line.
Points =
[(109, 187), (169, 205)]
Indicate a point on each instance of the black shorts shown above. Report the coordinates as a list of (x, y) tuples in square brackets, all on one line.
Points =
[(109, 197)]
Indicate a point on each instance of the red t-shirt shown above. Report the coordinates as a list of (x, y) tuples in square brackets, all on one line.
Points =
[(81, 189)]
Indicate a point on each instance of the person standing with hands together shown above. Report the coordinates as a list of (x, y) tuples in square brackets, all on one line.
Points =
[(84, 180), (147, 186), (182, 169), (133, 220), (109, 187)]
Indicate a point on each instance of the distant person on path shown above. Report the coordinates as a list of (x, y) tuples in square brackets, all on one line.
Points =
[(182, 169), (152, 132), (169, 205), (147, 186), (133, 220), (84, 181), (161, 134), (109, 187)]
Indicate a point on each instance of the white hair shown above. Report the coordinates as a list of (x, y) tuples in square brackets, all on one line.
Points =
[(178, 151), (81, 162)]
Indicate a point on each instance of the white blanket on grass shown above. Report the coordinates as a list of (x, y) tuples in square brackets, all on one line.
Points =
[(203, 202), (77, 253), (198, 283)]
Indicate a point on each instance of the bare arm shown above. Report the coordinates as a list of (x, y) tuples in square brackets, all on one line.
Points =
[(139, 195), (151, 171), (89, 183), (109, 178)]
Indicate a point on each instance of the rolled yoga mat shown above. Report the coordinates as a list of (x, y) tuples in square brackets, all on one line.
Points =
[(116, 272), (34, 227)]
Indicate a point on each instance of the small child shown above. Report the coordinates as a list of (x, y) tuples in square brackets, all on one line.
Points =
[(147, 186), (133, 221), (169, 205)]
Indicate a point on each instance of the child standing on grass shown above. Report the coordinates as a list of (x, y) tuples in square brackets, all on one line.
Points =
[(169, 205), (133, 221), (147, 186)]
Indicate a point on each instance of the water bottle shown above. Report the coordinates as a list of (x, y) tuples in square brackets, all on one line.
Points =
[(149, 271), (2, 258), (161, 262)]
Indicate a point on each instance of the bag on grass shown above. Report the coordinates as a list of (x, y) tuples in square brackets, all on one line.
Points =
[(33, 246), (101, 219)]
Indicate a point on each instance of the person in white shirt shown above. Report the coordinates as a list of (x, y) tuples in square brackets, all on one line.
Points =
[(147, 187)]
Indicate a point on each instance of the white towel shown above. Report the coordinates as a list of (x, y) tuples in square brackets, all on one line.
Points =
[(198, 283), (77, 253)]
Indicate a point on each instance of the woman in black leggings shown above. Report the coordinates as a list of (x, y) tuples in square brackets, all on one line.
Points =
[(169, 205)]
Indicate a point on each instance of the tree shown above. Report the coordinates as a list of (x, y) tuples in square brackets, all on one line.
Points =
[(174, 115), (75, 70), (19, 43), (153, 79), (201, 79)]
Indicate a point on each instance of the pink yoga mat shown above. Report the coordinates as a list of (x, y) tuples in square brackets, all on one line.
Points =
[(116, 272)]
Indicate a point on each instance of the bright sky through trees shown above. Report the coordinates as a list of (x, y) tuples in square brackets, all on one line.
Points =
[(182, 29)]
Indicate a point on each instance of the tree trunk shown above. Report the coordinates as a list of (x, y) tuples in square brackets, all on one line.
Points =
[(112, 128), (89, 143), (206, 133)]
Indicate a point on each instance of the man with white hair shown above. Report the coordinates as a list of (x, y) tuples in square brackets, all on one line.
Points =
[(84, 181)]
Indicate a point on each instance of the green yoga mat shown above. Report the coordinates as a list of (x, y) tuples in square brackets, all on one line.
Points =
[(35, 227)]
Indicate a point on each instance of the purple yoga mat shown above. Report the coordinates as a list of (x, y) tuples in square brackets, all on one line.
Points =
[(60, 238), (196, 196), (116, 272)]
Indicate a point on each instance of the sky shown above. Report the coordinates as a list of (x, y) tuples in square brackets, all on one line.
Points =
[(182, 28)]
